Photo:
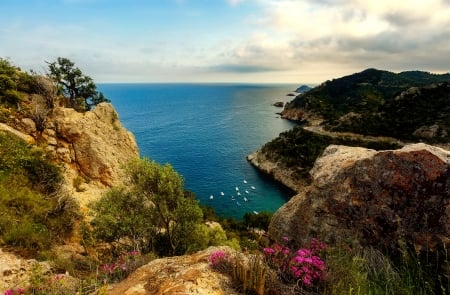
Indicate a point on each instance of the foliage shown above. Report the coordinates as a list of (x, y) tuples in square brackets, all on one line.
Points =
[(260, 220), (17, 157), (382, 103), (14, 83), (122, 216), (123, 266), (79, 89), (250, 272), (278, 270), (36, 212), (152, 212)]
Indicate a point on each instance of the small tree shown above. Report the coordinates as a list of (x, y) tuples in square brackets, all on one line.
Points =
[(80, 90), (121, 216), (152, 210)]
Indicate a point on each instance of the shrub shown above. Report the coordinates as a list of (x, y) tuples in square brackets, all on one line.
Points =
[(36, 212), (151, 213), (304, 264)]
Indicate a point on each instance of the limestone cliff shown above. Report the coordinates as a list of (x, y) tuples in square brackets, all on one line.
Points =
[(382, 198), (94, 142), (93, 145)]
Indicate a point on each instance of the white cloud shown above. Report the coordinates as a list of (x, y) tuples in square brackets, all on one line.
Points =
[(235, 2), (348, 35), (317, 39)]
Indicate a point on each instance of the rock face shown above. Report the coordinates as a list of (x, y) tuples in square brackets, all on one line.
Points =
[(385, 198), (189, 274), (93, 143), (281, 174)]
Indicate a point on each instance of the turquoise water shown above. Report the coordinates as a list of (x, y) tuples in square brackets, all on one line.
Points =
[(205, 132)]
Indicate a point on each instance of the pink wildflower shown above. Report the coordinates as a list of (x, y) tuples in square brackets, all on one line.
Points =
[(269, 250), (217, 257)]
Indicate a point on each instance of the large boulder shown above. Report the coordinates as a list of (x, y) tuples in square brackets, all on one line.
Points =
[(189, 274), (385, 199), (94, 143)]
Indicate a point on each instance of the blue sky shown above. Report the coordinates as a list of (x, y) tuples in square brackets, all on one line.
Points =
[(263, 41)]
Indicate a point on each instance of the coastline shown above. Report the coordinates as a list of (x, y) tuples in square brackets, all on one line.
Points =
[(280, 174)]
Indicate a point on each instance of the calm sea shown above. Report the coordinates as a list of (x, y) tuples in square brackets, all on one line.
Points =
[(205, 131)]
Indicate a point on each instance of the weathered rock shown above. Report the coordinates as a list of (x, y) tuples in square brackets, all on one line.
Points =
[(181, 275), (94, 142), (28, 125), (384, 199), (16, 271), (21, 135)]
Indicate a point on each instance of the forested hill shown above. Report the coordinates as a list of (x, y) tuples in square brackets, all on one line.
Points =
[(410, 105)]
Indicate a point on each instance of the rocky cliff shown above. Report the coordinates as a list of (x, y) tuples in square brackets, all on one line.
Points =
[(92, 145), (280, 173), (382, 198)]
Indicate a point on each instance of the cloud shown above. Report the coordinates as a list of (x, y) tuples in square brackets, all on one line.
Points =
[(284, 39), (241, 68), (234, 2), (352, 35)]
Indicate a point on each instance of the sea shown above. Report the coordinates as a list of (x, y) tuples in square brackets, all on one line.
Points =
[(205, 131)]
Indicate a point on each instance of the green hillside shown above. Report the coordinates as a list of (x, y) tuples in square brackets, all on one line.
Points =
[(409, 105)]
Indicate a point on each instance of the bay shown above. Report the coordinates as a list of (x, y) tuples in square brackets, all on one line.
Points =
[(205, 131)]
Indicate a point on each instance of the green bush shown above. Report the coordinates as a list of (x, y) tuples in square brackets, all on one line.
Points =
[(6, 83), (151, 213), (35, 211)]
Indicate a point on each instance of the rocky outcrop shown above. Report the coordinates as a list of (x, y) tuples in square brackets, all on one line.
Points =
[(386, 198), (16, 271), (93, 143), (188, 274), (287, 177)]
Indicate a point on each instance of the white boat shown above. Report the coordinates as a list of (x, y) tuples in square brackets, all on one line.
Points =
[(222, 194), (237, 188), (211, 197), (245, 181), (238, 193), (239, 204), (246, 191), (232, 198), (255, 212), (245, 199), (253, 187)]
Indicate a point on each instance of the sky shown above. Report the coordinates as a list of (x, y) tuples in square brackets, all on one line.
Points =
[(244, 41)]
